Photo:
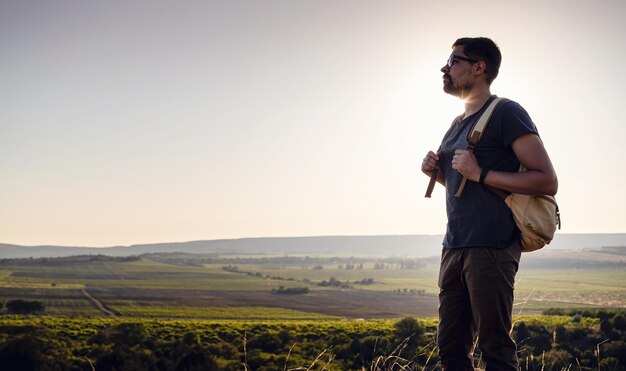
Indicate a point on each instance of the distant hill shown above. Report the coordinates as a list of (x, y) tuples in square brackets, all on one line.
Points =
[(405, 245)]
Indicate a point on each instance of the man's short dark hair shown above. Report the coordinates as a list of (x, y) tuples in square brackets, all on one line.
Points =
[(483, 49)]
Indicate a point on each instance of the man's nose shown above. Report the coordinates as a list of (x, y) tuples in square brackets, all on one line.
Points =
[(445, 69)]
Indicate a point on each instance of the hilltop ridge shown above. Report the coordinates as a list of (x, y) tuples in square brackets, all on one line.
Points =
[(390, 245)]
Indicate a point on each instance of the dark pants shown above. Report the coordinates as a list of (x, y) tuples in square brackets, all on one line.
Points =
[(476, 299)]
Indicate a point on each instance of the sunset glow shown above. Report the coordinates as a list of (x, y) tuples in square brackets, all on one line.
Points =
[(137, 122)]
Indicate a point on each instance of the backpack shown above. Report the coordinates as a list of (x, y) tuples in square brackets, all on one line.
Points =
[(537, 217)]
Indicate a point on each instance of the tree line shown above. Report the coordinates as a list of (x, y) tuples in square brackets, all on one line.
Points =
[(20, 306)]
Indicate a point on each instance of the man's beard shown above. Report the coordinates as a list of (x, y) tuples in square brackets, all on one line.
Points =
[(452, 88)]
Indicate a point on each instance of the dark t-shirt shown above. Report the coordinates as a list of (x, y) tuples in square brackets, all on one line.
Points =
[(480, 217)]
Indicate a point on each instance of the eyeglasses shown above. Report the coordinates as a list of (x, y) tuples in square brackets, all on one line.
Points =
[(453, 58)]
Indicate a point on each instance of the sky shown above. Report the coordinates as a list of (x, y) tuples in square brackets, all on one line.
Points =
[(127, 122)]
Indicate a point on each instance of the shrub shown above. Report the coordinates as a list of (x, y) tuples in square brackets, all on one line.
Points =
[(522, 334), (129, 334), (292, 290), (554, 312), (25, 306), (619, 321), (196, 360), (22, 353), (268, 342), (408, 327)]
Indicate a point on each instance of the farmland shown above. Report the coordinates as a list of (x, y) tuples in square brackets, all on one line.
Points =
[(208, 286), (168, 311)]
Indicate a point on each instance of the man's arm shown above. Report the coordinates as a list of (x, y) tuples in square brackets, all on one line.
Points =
[(538, 179)]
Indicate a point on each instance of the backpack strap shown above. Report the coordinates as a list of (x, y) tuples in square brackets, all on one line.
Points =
[(476, 133), (435, 174), (431, 184)]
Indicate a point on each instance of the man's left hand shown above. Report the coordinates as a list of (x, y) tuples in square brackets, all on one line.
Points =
[(464, 161)]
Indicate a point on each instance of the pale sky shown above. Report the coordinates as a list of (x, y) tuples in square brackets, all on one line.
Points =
[(125, 122)]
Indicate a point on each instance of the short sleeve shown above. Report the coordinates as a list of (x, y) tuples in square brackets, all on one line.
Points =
[(515, 122)]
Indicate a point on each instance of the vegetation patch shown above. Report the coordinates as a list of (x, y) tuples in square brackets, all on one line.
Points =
[(586, 340)]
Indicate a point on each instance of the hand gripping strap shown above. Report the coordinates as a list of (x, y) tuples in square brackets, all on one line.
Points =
[(435, 174), (476, 133)]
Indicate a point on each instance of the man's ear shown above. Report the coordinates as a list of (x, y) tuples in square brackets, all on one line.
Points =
[(481, 67)]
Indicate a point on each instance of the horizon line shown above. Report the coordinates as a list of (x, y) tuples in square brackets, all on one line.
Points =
[(266, 237)]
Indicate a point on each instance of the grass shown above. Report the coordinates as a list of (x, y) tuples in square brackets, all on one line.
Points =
[(318, 326), (38, 284), (572, 280), (215, 313)]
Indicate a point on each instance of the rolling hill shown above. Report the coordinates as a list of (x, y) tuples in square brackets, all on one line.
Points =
[(401, 245)]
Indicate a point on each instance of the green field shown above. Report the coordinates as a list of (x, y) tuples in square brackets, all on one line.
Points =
[(169, 312), (210, 287), (129, 309)]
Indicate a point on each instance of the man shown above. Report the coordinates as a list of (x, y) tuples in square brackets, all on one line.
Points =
[(481, 248)]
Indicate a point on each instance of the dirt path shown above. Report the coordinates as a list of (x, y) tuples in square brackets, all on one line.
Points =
[(98, 304)]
